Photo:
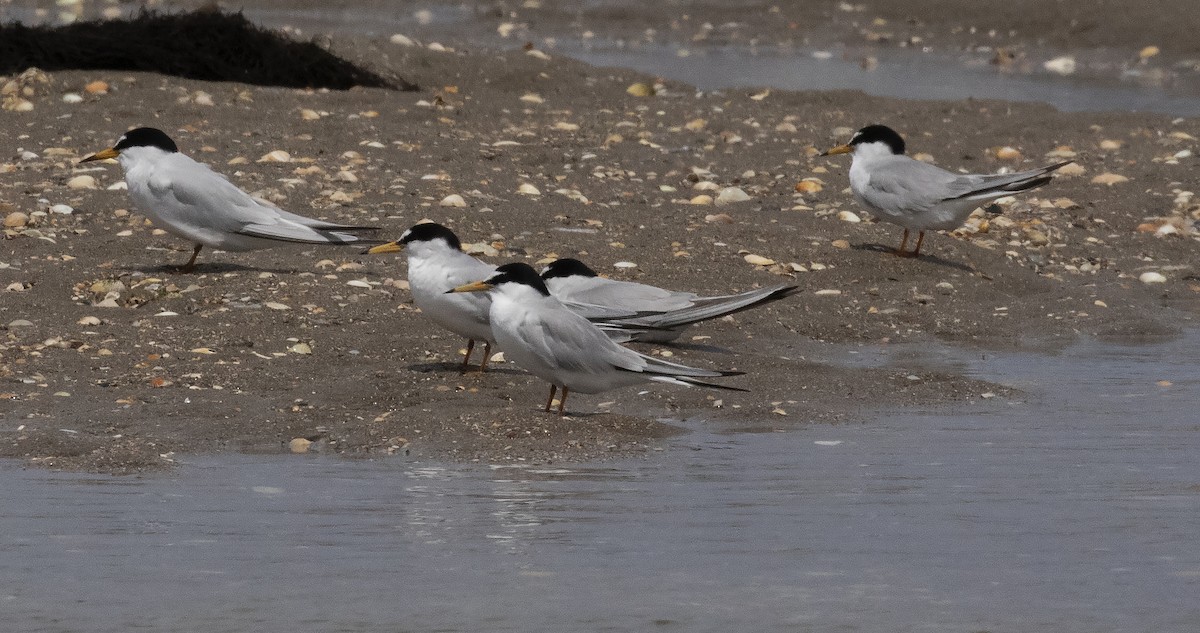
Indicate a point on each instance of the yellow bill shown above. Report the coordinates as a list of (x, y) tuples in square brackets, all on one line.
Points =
[(840, 149), (390, 247), (101, 155), (476, 286)]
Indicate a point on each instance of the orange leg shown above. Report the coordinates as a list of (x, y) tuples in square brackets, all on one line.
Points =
[(191, 264), (903, 243), (487, 355), (920, 238), (562, 402), (467, 358), (550, 400)]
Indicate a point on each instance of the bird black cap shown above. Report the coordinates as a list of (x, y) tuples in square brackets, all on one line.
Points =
[(429, 231), (520, 273), (146, 137), (879, 134), (568, 267)]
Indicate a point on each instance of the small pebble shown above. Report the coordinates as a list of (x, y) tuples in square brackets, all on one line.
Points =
[(1152, 278), (453, 200)]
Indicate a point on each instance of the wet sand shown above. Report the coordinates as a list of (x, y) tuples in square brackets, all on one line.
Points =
[(209, 361)]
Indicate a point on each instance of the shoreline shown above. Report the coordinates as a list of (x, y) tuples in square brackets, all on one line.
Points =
[(616, 174)]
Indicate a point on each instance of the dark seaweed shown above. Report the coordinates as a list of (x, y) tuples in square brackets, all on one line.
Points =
[(208, 45)]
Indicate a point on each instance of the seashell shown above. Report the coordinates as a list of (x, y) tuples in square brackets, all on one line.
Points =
[(276, 156), (758, 260), (1109, 179), (730, 195)]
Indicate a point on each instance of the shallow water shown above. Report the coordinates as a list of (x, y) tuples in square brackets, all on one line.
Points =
[(898, 73), (1102, 84), (1074, 510)]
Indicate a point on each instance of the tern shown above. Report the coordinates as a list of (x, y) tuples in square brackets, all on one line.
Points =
[(437, 263), (919, 196), (190, 200), (548, 339), (666, 312)]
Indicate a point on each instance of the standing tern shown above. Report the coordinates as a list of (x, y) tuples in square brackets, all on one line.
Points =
[(437, 263), (666, 312), (190, 200), (550, 341), (919, 196)]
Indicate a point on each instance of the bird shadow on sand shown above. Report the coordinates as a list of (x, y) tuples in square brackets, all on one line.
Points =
[(445, 367), (209, 269), (932, 259)]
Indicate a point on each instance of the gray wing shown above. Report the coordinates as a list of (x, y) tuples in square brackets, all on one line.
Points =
[(199, 196), (567, 340), (984, 186), (712, 309), (905, 183), (631, 296)]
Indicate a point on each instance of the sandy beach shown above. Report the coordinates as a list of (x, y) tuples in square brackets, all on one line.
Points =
[(112, 360)]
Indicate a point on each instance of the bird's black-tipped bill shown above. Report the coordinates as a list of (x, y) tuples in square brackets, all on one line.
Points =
[(390, 247), (101, 155), (840, 149), (477, 286)]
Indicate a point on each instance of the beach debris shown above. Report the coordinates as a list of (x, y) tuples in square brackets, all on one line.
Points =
[(702, 199), (1072, 169), (16, 220), (729, 195), (1009, 153), (82, 181), (1109, 178), (849, 216), (299, 445), (810, 185), (758, 260), (640, 89), (528, 190), (1152, 277), (276, 156), (400, 39), (1064, 65), (453, 200)]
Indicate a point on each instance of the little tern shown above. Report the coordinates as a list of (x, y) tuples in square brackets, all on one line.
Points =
[(919, 196), (190, 200), (437, 263), (546, 338), (666, 312)]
